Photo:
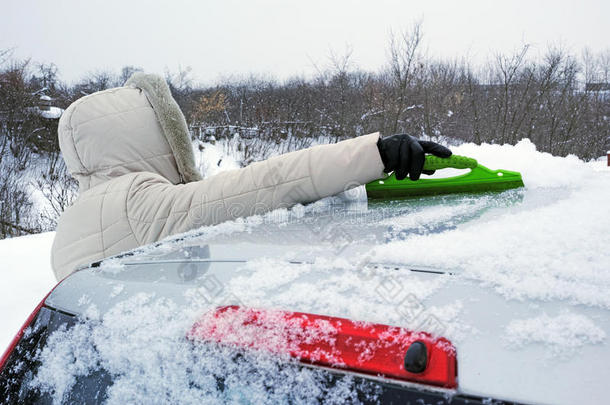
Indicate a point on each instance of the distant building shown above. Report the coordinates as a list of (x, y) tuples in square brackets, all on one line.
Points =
[(46, 109)]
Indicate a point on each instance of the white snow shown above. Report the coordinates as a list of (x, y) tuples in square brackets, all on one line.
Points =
[(26, 278), (561, 334), (51, 113), (539, 169), (274, 283), (148, 363), (215, 158), (552, 245)]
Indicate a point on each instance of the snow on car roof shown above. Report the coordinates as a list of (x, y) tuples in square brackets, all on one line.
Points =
[(549, 241), (546, 242), (487, 271)]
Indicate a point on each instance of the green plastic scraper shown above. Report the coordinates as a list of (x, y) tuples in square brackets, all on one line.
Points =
[(479, 179)]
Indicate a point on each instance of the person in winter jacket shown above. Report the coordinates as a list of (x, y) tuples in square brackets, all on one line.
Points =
[(130, 150)]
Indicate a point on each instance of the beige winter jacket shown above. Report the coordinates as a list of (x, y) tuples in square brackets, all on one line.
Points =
[(130, 151)]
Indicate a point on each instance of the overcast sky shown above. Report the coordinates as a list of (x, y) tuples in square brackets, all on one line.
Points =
[(221, 38)]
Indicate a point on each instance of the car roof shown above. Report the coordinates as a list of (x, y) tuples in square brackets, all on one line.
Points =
[(309, 262)]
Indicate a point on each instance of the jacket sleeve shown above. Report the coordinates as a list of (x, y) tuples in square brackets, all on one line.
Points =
[(157, 209)]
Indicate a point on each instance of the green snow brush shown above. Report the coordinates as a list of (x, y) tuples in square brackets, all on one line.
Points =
[(479, 179)]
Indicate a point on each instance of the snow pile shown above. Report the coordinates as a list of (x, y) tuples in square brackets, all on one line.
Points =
[(51, 113), (539, 169), (561, 334), (553, 245), (25, 271)]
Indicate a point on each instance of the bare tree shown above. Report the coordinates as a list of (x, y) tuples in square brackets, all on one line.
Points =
[(405, 63)]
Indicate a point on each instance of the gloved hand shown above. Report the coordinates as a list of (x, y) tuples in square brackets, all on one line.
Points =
[(405, 154)]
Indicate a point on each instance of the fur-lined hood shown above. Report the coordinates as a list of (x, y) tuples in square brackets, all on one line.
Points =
[(135, 128)]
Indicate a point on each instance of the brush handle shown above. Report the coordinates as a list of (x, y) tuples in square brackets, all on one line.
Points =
[(454, 161)]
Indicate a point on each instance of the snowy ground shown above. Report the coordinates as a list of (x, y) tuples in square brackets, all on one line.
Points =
[(26, 277)]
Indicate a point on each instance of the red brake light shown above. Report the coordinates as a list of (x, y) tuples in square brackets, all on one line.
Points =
[(333, 342)]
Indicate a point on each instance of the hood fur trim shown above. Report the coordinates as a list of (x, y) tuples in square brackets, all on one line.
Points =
[(172, 122)]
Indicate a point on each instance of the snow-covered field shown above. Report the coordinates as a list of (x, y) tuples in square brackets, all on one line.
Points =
[(25, 279)]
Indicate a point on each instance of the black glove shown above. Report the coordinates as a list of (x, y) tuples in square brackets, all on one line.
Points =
[(405, 154)]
